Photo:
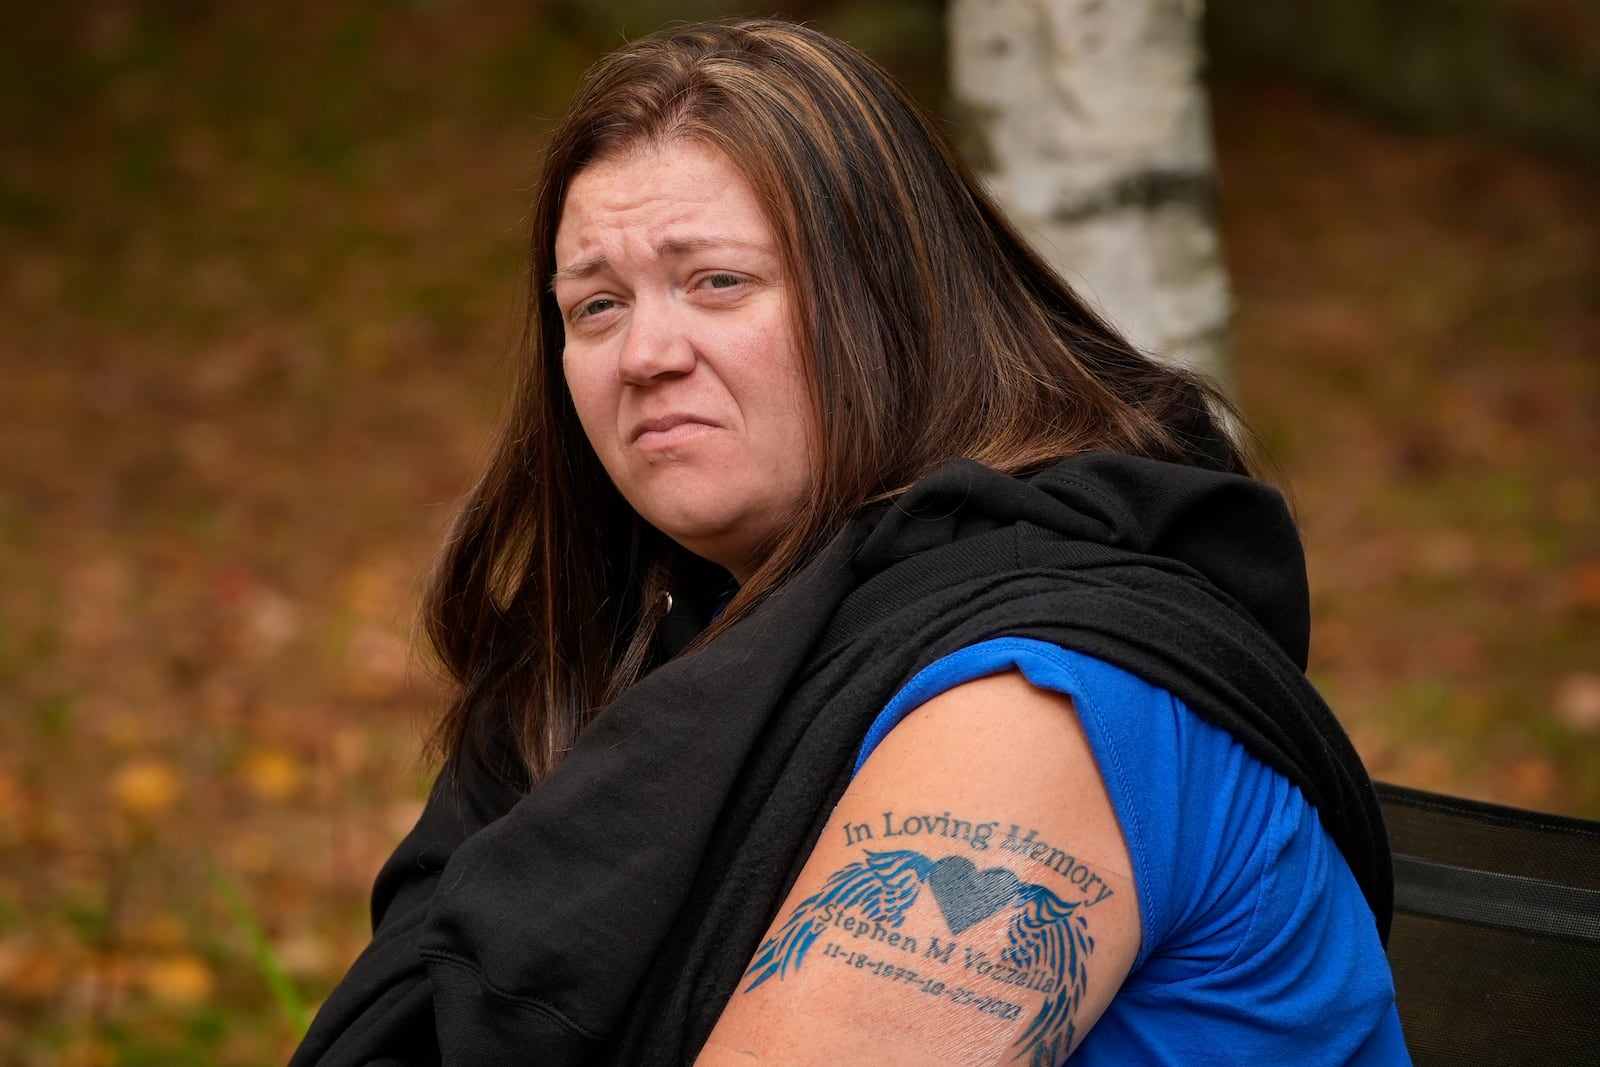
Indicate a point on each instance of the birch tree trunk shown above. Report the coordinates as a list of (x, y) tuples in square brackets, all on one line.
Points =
[(1087, 120)]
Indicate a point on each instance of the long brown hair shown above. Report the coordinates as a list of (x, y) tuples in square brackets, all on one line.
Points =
[(928, 328)]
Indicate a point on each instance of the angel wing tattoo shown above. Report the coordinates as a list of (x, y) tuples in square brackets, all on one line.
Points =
[(1045, 935), (881, 887), (1048, 934)]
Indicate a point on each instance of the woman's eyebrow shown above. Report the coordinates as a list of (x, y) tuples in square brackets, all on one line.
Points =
[(581, 269), (672, 246), (677, 246)]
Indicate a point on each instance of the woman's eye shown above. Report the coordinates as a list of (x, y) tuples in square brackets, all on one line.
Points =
[(593, 308), (721, 280)]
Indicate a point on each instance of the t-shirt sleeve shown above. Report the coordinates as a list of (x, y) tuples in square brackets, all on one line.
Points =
[(1255, 936)]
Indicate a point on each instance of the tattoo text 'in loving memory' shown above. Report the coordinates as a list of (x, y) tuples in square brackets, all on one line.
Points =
[(979, 836)]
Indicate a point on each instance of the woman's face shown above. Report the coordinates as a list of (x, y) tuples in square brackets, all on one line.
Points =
[(679, 354)]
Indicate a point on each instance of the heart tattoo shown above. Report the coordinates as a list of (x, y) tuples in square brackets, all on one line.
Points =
[(967, 895), (864, 904)]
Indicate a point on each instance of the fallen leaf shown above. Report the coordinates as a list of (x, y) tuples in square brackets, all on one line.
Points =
[(253, 852), (162, 930), (1577, 701), (94, 1052), (373, 592), (1529, 782), (179, 981), (11, 810), (1449, 554), (97, 591), (377, 664), (272, 773), (304, 955), (124, 729), (273, 620), (1424, 767), (350, 748), (146, 787), (1584, 582), (30, 975), (401, 816)]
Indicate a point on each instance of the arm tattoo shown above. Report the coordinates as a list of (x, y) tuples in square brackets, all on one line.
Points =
[(864, 903)]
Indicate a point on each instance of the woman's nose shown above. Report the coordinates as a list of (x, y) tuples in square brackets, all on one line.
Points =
[(657, 344)]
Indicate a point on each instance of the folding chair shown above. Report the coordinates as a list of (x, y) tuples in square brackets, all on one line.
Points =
[(1496, 938)]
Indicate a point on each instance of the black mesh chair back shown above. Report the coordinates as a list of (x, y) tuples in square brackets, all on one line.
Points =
[(1496, 938)]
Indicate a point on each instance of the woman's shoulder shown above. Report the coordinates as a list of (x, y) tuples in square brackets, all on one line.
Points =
[(1253, 929), (1194, 808)]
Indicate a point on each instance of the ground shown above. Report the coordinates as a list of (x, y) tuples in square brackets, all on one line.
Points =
[(255, 312)]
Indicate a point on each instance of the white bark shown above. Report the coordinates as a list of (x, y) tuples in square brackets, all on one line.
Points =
[(1092, 132)]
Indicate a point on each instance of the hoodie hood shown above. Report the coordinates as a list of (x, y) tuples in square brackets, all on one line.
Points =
[(1231, 530)]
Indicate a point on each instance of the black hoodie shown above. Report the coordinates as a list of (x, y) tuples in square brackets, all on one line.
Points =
[(607, 916)]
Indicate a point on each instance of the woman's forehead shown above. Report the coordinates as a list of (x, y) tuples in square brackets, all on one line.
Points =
[(671, 199)]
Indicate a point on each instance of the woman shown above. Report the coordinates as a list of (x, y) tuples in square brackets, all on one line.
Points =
[(864, 653)]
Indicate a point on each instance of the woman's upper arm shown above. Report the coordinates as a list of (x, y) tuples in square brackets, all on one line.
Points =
[(970, 900)]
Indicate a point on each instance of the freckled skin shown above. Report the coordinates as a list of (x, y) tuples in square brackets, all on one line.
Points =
[(679, 354)]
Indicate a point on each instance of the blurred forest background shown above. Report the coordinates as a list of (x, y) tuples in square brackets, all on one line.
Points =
[(260, 267)]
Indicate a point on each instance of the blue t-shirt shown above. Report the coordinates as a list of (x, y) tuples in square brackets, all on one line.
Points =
[(1257, 945)]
